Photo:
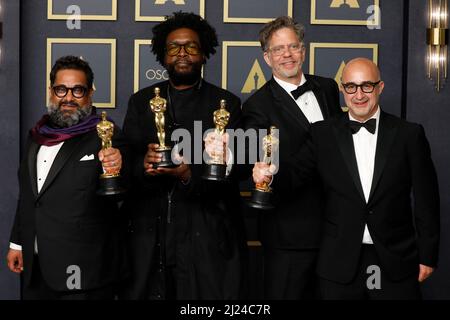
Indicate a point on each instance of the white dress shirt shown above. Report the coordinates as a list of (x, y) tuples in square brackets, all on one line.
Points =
[(307, 102), (44, 161), (365, 148)]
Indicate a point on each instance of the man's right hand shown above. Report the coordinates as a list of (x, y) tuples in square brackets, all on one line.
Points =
[(15, 260), (151, 157), (182, 171), (263, 172)]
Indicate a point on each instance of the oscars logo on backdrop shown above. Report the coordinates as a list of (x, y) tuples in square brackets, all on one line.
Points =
[(339, 3), (338, 76), (157, 74), (255, 79)]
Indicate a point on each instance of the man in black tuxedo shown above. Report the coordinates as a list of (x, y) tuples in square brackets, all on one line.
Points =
[(290, 101), (374, 167), (65, 238), (185, 236)]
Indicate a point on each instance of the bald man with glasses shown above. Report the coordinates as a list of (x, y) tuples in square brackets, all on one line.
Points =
[(381, 230)]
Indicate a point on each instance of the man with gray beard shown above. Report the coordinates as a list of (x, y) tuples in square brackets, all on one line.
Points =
[(65, 238), (64, 119)]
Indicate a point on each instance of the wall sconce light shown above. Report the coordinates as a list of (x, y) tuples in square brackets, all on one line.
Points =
[(437, 41)]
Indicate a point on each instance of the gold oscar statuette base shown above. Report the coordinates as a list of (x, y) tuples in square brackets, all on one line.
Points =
[(110, 185)]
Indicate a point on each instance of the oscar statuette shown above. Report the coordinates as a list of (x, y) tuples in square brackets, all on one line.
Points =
[(215, 168), (158, 106), (262, 193), (110, 181)]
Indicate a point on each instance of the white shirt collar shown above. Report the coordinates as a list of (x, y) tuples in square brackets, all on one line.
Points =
[(288, 87)]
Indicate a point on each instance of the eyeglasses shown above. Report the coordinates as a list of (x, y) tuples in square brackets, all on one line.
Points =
[(366, 87), (77, 91), (191, 48), (280, 50)]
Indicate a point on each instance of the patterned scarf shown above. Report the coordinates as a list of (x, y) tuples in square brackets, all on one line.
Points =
[(44, 134)]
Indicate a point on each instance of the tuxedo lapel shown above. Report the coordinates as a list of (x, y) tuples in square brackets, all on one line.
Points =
[(386, 134), (347, 148), (320, 96), (61, 158), (32, 156), (285, 102)]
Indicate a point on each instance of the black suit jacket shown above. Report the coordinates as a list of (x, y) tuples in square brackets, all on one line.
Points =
[(402, 213), (73, 226), (296, 221)]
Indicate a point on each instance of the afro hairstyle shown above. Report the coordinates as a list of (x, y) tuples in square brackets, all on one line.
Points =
[(206, 33)]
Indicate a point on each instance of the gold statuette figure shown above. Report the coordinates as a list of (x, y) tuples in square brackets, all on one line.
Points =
[(110, 180), (262, 194), (158, 106), (216, 167), (105, 130)]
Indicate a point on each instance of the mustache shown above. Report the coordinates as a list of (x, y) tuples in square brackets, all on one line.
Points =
[(183, 61), (69, 103)]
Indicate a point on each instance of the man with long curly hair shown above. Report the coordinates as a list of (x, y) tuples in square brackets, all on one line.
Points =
[(185, 236)]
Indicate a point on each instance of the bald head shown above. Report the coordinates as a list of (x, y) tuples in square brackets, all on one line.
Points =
[(361, 66), (361, 86)]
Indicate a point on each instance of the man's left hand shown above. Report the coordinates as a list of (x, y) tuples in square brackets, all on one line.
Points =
[(111, 160), (424, 272)]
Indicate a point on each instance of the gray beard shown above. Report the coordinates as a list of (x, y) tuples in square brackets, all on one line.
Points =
[(62, 120)]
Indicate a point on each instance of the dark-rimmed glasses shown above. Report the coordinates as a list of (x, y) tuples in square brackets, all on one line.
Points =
[(191, 48), (366, 87), (77, 91)]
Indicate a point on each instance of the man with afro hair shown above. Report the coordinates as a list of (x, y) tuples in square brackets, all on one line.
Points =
[(185, 234)]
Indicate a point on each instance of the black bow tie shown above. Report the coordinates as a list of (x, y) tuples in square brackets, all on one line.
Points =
[(370, 125), (307, 86)]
